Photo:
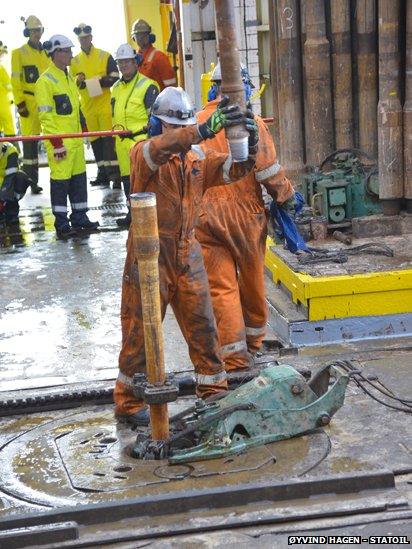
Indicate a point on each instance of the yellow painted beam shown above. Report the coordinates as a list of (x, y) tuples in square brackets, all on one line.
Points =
[(376, 293), (374, 303), (281, 273)]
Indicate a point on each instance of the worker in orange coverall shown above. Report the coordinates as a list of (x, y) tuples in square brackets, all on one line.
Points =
[(155, 64), (178, 171), (232, 231)]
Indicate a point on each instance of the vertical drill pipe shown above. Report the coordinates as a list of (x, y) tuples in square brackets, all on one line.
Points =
[(146, 251), (231, 78), (319, 130), (342, 73), (390, 138), (367, 75), (290, 86), (181, 61), (274, 79), (407, 111)]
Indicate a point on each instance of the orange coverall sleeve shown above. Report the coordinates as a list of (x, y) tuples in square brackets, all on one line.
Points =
[(268, 171), (147, 156), (164, 71)]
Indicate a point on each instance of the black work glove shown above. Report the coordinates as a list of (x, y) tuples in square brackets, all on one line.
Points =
[(80, 80), (253, 130), (22, 109), (224, 116)]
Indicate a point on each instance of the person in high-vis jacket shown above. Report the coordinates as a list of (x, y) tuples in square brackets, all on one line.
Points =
[(132, 98), (6, 98), (172, 166), (13, 183), (59, 111), (232, 231), (93, 63), (155, 64), (27, 64)]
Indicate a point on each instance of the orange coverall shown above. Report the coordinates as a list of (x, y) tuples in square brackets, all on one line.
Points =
[(156, 65), (179, 184), (232, 231)]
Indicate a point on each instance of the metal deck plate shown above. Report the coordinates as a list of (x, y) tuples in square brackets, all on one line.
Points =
[(83, 458)]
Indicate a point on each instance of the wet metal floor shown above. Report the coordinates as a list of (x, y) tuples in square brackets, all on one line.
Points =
[(59, 323), (60, 300)]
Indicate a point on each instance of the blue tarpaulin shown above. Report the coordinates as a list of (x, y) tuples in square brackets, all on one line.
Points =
[(287, 226)]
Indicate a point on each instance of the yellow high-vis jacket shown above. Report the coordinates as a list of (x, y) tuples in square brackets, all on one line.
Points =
[(131, 104), (95, 64), (58, 106), (27, 64), (8, 161), (6, 117)]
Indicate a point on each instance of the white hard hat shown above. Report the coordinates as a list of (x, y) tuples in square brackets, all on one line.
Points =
[(217, 73), (173, 105), (57, 41), (125, 51)]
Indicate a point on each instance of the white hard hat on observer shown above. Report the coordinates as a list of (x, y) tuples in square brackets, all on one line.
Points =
[(56, 42), (124, 51)]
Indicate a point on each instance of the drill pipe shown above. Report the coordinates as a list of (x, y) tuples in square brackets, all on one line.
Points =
[(274, 76), (367, 75), (342, 73), (319, 130), (232, 84), (407, 111), (181, 72), (145, 236), (390, 147), (290, 86)]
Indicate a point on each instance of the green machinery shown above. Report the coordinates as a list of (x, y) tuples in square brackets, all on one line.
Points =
[(350, 190), (276, 405)]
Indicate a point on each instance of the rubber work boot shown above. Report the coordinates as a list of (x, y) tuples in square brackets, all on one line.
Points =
[(65, 232), (117, 184), (35, 189), (88, 225), (138, 419), (100, 182)]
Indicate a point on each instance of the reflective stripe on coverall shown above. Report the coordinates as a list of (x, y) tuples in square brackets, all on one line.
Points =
[(27, 64), (156, 65), (232, 230), (6, 117), (178, 184), (59, 111)]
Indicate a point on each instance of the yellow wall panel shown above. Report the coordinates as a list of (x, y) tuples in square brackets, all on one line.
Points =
[(149, 10)]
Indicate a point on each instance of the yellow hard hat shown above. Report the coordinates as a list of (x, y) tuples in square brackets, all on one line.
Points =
[(32, 22), (140, 25)]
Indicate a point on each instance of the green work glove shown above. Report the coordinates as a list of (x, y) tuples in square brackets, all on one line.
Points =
[(224, 116), (253, 130)]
